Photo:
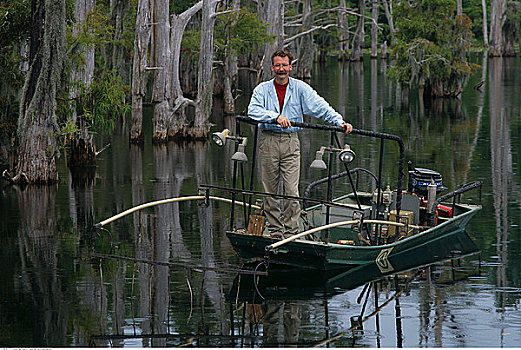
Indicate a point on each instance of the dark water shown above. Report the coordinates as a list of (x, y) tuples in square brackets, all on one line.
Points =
[(54, 293)]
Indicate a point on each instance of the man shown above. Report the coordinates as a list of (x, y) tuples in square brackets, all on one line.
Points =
[(285, 100)]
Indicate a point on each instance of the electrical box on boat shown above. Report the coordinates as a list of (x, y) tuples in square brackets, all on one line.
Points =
[(410, 202), (406, 217)]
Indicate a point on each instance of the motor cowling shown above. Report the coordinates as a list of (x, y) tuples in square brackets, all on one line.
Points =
[(421, 178)]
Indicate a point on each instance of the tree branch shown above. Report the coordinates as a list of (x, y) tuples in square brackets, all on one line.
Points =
[(224, 12), (294, 37)]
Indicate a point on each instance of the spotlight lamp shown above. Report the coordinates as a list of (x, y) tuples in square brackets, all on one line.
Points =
[(346, 155), (319, 163), (220, 137)]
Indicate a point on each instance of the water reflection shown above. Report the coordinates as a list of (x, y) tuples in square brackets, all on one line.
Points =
[(41, 277)]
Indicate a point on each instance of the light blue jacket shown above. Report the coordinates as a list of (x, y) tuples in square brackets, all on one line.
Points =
[(300, 99)]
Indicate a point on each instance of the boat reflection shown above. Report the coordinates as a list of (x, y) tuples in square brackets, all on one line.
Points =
[(291, 283), (277, 303)]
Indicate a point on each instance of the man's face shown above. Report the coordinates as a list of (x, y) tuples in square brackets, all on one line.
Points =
[(281, 67)]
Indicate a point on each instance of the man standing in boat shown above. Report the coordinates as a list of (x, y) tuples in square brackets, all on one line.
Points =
[(285, 100)]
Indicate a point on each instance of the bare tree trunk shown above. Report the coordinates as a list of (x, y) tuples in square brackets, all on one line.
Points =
[(178, 124), (496, 27), (509, 35), (82, 151), (374, 29), (203, 104), (271, 11), (230, 72), (343, 28), (37, 125), (139, 76), (485, 23), (305, 54), (116, 55), (356, 51), (390, 21), (160, 46), (459, 7), (509, 28)]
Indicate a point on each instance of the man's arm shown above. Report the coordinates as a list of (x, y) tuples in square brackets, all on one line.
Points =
[(316, 106), (258, 109)]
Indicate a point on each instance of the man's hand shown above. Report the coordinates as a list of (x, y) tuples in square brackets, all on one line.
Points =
[(348, 127), (283, 122)]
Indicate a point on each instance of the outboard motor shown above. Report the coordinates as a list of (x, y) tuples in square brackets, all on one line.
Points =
[(421, 178), (426, 183)]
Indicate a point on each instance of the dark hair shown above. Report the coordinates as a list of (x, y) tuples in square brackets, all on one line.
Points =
[(282, 53)]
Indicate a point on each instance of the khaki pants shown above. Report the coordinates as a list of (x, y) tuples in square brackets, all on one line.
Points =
[(279, 155)]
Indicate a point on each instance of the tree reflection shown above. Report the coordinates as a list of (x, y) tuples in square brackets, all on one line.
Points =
[(39, 259)]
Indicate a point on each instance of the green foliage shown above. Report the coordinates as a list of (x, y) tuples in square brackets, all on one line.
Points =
[(15, 19), (239, 32), (474, 10), (105, 101), (93, 32), (432, 44), (98, 105)]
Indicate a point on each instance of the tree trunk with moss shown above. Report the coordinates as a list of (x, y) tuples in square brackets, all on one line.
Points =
[(356, 52), (510, 27), (117, 56), (82, 151), (390, 21), (496, 28), (37, 126), (343, 29), (305, 49), (160, 61), (374, 29), (272, 12), (178, 123), (203, 104), (230, 71), (485, 23), (139, 76)]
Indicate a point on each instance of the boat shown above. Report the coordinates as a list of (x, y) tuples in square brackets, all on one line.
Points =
[(360, 228)]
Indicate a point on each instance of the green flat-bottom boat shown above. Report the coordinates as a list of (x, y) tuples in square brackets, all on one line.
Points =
[(351, 251), (358, 228)]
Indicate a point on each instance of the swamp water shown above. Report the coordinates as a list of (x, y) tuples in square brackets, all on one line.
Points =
[(54, 293)]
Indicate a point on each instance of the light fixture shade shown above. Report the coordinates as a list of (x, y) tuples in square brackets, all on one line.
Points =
[(220, 137), (318, 163), (346, 155), (240, 156)]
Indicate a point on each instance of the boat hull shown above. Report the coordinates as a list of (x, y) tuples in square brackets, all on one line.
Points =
[(331, 256)]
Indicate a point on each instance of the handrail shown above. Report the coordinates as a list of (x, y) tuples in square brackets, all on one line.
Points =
[(274, 195), (368, 133), (467, 187)]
